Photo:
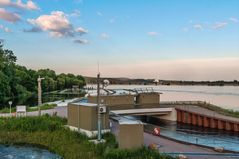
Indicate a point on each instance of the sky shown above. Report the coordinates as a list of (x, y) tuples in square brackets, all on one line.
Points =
[(159, 39)]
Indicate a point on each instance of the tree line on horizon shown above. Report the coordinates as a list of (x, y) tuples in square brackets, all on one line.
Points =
[(18, 81)]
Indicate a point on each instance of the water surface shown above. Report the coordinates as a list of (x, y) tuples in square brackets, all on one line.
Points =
[(22, 152)]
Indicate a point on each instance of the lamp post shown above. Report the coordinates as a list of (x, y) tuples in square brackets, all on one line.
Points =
[(10, 104), (39, 79), (98, 106)]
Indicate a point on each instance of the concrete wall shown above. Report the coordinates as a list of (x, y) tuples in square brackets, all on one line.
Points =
[(148, 98), (206, 121), (130, 136), (85, 117), (113, 100), (172, 116)]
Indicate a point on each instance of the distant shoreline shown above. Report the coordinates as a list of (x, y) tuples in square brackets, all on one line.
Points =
[(128, 81)]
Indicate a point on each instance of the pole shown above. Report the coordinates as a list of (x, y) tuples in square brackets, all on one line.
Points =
[(10, 104), (98, 106), (39, 95)]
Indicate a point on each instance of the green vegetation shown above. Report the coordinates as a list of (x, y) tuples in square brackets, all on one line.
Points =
[(142, 153), (50, 133), (220, 110), (19, 82), (208, 106), (30, 109)]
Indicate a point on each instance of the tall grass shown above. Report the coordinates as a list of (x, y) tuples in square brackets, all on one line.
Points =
[(142, 153)]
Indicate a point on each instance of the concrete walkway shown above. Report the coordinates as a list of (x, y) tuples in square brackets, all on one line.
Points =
[(169, 146)]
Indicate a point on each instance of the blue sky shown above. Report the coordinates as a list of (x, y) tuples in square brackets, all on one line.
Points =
[(167, 39)]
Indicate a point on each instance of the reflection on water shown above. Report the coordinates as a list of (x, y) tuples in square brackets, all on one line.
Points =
[(194, 134), (20, 152), (224, 96)]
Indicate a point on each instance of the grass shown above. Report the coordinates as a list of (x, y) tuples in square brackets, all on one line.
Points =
[(220, 110), (49, 133), (30, 109)]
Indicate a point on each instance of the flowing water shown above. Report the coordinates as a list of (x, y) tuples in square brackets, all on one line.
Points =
[(21, 152)]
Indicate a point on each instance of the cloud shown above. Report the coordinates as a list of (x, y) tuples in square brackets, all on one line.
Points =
[(235, 20), (5, 29), (198, 26), (75, 13), (152, 33), (29, 5), (81, 41), (81, 30), (56, 24), (8, 16), (104, 36), (32, 30), (219, 25), (99, 13)]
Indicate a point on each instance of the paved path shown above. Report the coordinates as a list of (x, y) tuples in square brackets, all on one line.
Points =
[(169, 146)]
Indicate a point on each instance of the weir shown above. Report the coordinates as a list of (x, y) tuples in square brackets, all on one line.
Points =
[(202, 117)]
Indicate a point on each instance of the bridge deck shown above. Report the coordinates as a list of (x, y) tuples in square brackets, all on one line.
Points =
[(148, 111)]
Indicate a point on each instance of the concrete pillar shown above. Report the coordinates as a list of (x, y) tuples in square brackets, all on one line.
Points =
[(228, 126), (189, 121), (179, 116), (200, 120), (184, 116), (194, 119), (221, 125), (213, 123), (236, 127), (206, 122)]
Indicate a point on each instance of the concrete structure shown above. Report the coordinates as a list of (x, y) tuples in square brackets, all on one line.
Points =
[(115, 102), (152, 111), (128, 101), (170, 116), (129, 134), (206, 118), (148, 98), (83, 116)]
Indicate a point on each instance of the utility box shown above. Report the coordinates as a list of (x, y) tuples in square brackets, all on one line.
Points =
[(130, 134), (84, 117)]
